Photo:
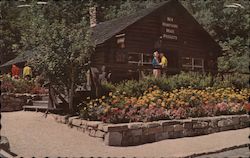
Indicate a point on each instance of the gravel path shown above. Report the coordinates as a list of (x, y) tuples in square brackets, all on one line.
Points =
[(30, 134)]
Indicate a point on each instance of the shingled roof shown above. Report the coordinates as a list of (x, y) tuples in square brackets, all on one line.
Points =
[(105, 30), (20, 58)]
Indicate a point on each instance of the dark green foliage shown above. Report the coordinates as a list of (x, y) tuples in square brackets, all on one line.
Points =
[(227, 25), (9, 31), (182, 80), (235, 80)]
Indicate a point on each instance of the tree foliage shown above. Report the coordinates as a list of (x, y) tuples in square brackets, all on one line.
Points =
[(229, 26), (9, 31), (63, 47)]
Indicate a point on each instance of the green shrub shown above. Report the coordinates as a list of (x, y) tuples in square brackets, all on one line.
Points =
[(130, 88), (234, 80), (107, 87), (182, 80)]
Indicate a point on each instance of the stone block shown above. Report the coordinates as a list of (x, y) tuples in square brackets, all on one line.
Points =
[(76, 122), (169, 122), (236, 120), (171, 134), (80, 129), (92, 133), (161, 136), (153, 130), (245, 118), (188, 132), (188, 125), (200, 124), (127, 141), (151, 124), (245, 124), (113, 139), (84, 123), (212, 130), (148, 138), (93, 124), (225, 122), (115, 128), (178, 134), (225, 128), (199, 131), (135, 125), (101, 126), (136, 140), (213, 123), (178, 127), (99, 134), (136, 132), (169, 128)]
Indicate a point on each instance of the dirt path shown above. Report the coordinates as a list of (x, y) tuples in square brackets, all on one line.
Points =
[(30, 134)]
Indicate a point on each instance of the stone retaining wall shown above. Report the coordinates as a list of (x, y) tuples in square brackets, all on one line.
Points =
[(15, 101), (128, 134)]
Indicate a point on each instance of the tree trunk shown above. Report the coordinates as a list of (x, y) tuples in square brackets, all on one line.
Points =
[(71, 96), (71, 90)]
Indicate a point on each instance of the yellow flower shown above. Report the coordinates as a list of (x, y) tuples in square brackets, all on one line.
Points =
[(103, 97), (192, 98)]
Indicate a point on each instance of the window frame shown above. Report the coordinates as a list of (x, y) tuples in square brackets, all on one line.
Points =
[(193, 66), (141, 58)]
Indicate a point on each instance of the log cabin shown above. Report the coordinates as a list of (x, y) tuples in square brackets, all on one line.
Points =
[(126, 44)]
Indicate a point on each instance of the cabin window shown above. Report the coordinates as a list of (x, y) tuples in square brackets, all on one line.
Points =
[(120, 56), (193, 63), (139, 58), (120, 40)]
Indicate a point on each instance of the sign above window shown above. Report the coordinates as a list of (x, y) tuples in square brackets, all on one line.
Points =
[(169, 28)]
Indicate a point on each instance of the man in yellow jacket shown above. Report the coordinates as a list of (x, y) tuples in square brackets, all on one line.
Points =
[(27, 72), (164, 60)]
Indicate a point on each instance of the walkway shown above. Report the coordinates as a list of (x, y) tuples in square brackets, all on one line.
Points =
[(240, 152), (30, 134)]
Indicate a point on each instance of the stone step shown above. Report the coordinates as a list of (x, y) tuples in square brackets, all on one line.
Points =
[(41, 103), (45, 98), (40, 108)]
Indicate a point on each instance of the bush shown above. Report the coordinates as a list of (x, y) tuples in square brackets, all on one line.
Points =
[(8, 84), (234, 80), (182, 80)]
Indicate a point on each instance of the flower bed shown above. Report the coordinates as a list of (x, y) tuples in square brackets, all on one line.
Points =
[(156, 104), (10, 85)]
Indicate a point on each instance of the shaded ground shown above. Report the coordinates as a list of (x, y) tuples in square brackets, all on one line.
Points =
[(30, 134), (241, 152)]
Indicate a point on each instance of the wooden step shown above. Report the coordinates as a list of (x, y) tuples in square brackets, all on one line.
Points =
[(42, 108)]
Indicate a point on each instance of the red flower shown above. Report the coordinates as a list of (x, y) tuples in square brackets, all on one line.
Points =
[(247, 107)]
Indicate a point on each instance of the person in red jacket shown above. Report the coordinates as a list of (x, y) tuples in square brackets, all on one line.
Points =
[(15, 71)]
